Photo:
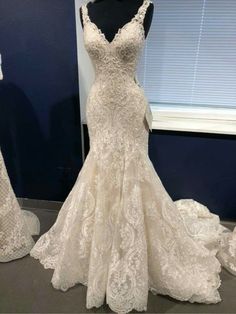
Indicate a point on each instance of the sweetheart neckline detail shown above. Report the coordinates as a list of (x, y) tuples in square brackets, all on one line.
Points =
[(120, 29)]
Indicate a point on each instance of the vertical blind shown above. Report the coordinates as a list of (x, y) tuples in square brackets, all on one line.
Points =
[(189, 57)]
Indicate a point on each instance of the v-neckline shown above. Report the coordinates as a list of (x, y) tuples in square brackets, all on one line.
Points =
[(119, 29)]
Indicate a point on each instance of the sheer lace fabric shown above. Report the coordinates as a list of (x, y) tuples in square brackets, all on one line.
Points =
[(227, 251), (205, 228), (119, 232), (16, 226), (201, 224)]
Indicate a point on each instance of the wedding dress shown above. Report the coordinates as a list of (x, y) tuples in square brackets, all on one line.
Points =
[(16, 225), (119, 232)]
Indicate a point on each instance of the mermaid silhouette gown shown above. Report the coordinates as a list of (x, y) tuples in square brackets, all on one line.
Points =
[(119, 232)]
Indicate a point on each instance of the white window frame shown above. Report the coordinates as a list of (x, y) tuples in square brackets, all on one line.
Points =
[(194, 119)]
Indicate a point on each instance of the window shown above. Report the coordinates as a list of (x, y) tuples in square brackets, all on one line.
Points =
[(188, 66)]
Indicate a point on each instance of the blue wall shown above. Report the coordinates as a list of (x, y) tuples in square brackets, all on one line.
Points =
[(199, 166), (40, 132)]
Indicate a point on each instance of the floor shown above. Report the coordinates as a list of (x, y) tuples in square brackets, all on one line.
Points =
[(25, 288)]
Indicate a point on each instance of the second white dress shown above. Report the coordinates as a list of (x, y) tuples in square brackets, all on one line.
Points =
[(16, 225)]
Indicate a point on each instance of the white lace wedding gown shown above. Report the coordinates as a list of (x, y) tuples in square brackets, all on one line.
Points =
[(16, 225), (119, 232)]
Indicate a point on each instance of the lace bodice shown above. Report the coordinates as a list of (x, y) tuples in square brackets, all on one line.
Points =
[(119, 57), (115, 63)]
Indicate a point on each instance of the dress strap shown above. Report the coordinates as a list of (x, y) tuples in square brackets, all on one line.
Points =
[(142, 11), (85, 16)]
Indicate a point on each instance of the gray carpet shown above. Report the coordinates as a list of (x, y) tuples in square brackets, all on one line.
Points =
[(25, 288)]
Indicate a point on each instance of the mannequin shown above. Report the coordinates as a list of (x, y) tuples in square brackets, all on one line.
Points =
[(110, 15)]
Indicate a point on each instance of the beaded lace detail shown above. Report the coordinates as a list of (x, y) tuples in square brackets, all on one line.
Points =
[(119, 232), (138, 18)]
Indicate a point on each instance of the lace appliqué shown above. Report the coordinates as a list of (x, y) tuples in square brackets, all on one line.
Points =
[(16, 226), (119, 232)]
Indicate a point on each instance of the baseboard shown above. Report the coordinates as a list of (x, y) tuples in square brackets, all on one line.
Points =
[(39, 204), (54, 205)]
